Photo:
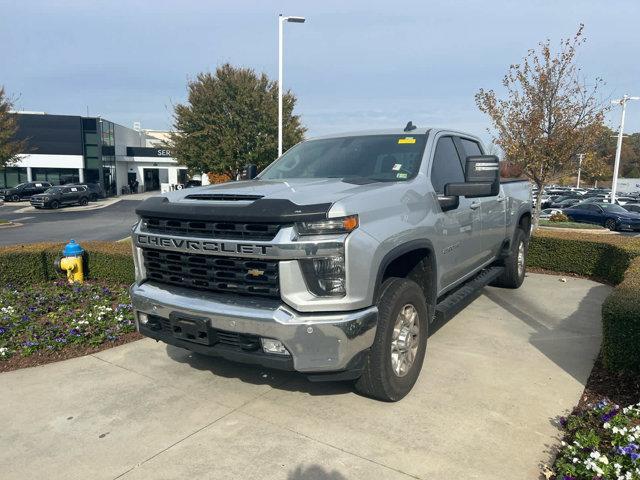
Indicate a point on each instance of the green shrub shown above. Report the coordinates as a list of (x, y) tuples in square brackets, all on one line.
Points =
[(621, 323), (31, 263)]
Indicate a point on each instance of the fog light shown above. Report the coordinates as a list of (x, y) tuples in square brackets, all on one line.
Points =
[(143, 318), (269, 345)]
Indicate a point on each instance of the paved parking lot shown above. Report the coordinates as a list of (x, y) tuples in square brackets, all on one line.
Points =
[(112, 222), (494, 379)]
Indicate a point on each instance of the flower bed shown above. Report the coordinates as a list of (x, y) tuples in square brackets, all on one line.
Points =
[(50, 321), (602, 442)]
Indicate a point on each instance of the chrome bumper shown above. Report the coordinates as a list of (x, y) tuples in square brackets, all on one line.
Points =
[(318, 342)]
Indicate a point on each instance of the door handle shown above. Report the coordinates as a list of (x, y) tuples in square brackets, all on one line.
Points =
[(474, 205)]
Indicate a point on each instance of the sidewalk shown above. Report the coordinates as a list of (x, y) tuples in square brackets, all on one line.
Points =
[(495, 378)]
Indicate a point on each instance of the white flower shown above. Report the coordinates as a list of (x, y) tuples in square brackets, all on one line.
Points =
[(4, 351), (575, 460), (595, 454), (606, 425), (604, 460)]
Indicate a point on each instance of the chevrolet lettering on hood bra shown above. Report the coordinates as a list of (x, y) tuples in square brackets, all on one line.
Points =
[(335, 260)]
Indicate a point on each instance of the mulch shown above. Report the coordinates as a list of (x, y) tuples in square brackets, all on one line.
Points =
[(41, 358), (620, 388)]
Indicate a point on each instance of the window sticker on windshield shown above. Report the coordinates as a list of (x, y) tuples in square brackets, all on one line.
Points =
[(406, 140), (397, 167), (401, 175)]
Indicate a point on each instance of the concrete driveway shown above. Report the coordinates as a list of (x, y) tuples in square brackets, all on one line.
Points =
[(494, 379)]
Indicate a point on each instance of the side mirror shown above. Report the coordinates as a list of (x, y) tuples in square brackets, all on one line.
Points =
[(249, 172), (482, 178)]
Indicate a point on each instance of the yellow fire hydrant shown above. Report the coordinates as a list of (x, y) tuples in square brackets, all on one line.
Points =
[(72, 262)]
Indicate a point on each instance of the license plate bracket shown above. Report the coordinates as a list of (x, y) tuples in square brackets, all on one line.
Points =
[(191, 329)]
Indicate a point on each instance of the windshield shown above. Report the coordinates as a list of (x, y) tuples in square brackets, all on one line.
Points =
[(53, 190), (384, 158), (20, 185), (609, 207)]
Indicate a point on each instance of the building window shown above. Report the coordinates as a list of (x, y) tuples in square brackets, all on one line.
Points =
[(182, 176), (12, 176), (56, 176)]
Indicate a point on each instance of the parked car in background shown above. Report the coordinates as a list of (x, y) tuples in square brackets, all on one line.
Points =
[(95, 190), (566, 203), (632, 207), (56, 197), (611, 216), (193, 183), (23, 191), (548, 212)]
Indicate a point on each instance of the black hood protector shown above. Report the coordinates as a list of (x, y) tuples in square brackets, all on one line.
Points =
[(261, 211)]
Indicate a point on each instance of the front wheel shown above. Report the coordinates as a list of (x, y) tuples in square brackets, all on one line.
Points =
[(84, 201), (397, 353), (515, 263), (54, 204), (611, 224), (15, 198)]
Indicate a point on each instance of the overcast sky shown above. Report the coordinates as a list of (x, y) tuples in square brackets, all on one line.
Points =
[(355, 64)]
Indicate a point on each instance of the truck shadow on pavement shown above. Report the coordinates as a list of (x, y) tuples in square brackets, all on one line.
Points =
[(257, 375), (314, 472)]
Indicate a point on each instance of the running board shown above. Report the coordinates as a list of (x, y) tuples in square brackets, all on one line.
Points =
[(459, 298)]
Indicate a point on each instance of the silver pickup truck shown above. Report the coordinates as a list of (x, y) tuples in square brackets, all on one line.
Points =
[(337, 259)]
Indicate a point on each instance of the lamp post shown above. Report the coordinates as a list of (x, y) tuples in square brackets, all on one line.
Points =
[(281, 20), (580, 157), (616, 166)]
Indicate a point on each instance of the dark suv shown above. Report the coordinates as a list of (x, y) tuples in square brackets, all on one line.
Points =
[(95, 190), (24, 191), (59, 196)]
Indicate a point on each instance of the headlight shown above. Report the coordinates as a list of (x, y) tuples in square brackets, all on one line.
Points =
[(325, 277), (45, 199), (329, 226)]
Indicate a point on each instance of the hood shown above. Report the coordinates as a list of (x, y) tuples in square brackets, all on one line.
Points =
[(256, 200), (298, 191)]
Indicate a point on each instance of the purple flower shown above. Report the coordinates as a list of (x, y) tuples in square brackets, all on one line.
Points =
[(634, 456), (60, 340), (563, 421), (609, 415), (30, 344), (2, 330), (568, 477)]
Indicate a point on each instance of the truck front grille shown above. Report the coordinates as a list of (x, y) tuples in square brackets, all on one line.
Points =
[(218, 274), (211, 229)]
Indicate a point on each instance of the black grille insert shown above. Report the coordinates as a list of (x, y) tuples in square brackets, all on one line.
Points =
[(218, 274), (211, 229)]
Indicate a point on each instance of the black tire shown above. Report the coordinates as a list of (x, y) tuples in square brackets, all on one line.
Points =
[(513, 275), (54, 204), (378, 379), (15, 198), (84, 201), (610, 223), (93, 197)]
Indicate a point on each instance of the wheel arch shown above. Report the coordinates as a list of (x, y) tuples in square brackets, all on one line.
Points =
[(415, 260)]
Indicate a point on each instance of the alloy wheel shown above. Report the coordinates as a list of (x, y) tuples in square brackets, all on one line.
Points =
[(405, 340)]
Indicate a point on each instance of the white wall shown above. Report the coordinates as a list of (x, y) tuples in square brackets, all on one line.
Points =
[(629, 185), (35, 160)]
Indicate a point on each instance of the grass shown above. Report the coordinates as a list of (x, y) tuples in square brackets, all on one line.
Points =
[(586, 226), (3, 221)]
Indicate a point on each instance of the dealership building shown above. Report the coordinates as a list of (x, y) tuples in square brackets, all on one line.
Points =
[(64, 149)]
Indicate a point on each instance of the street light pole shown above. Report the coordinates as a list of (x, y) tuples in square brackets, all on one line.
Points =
[(616, 166), (580, 157), (281, 20)]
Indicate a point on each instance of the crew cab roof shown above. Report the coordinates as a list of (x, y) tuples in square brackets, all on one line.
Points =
[(395, 131)]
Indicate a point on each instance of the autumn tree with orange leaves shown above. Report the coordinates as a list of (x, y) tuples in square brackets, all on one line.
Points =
[(548, 113)]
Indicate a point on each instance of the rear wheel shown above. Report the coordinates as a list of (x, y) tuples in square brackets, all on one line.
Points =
[(15, 198), (611, 224), (397, 353), (515, 263), (84, 201), (93, 197), (54, 204)]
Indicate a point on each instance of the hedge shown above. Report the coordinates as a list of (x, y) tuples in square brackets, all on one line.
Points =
[(614, 259), (611, 258), (22, 264)]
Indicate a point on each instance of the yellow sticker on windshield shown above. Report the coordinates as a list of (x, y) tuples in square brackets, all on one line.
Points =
[(407, 140)]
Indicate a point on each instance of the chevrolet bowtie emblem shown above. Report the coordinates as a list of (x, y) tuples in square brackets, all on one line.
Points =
[(254, 272)]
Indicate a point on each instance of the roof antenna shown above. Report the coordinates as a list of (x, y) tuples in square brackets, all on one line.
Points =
[(410, 126)]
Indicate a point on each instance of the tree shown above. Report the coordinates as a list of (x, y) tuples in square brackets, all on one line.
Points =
[(594, 168), (549, 113), (230, 120), (10, 148)]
